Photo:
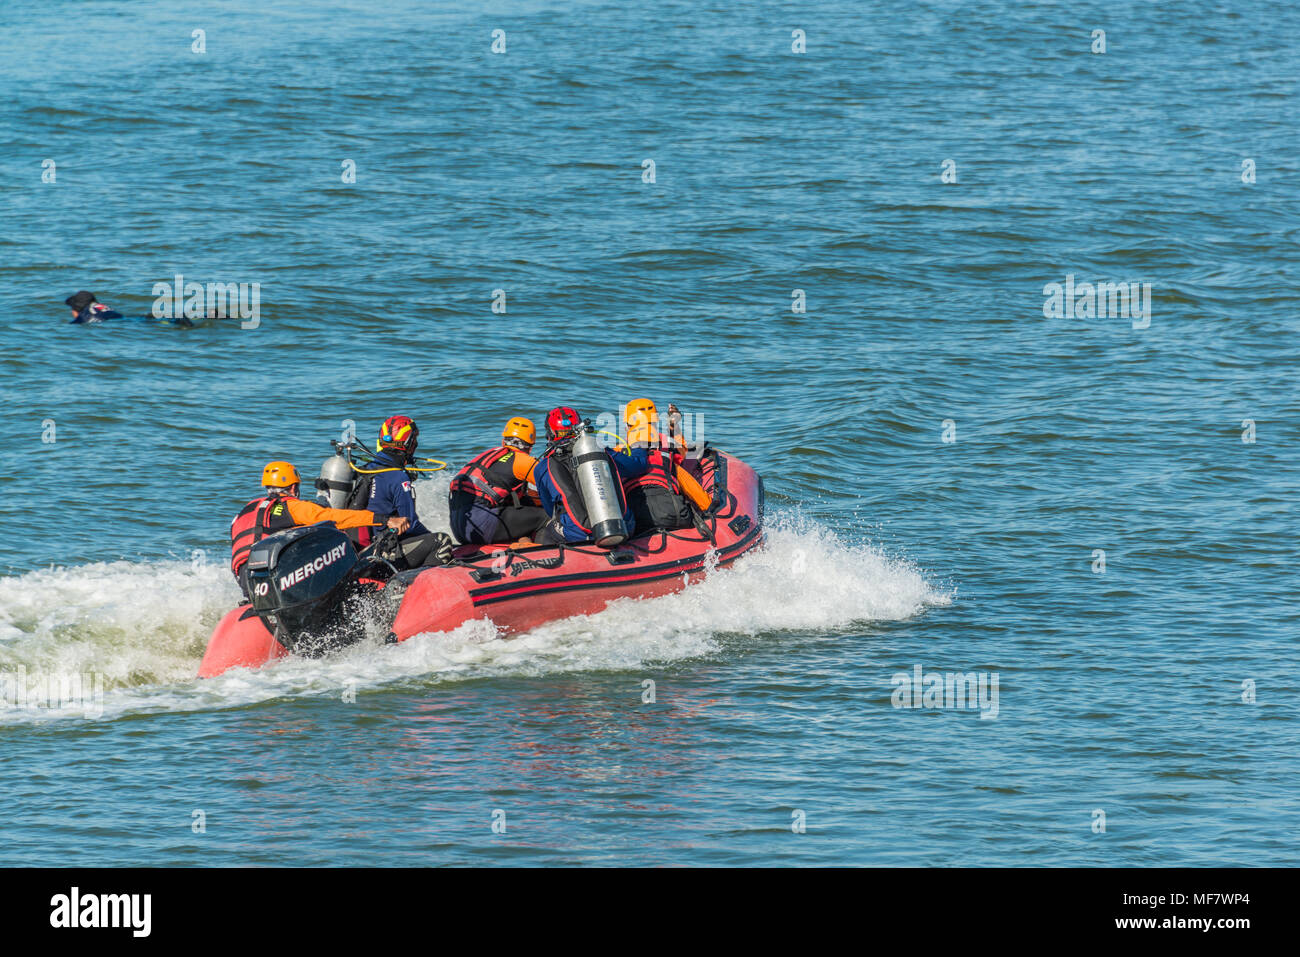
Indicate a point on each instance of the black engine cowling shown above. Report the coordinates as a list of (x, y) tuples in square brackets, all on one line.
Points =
[(298, 580)]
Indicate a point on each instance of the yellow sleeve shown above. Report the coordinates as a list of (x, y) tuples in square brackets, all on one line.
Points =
[(309, 513)]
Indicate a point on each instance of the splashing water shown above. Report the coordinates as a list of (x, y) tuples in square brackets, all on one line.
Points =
[(141, 628)]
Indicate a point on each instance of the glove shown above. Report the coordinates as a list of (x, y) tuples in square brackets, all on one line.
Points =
[(389, 547)]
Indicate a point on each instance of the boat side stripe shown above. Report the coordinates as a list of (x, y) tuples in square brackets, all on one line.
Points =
[(615, 570), (615, 576)]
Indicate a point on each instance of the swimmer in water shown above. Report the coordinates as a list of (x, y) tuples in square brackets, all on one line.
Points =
[(86, 308)]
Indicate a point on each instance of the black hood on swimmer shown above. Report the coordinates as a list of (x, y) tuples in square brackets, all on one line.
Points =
[(80, 300)]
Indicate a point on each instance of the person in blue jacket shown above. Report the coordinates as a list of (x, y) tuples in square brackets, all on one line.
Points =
[(86, 308), (568, 516), (391, 494)]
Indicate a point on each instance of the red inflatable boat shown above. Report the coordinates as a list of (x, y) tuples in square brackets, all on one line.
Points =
[(302, 601)]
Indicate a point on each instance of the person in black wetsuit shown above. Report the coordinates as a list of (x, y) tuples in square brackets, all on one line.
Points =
[(86, 308)]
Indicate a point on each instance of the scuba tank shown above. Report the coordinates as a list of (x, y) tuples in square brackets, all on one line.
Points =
[(341, 486), (336, 480), (599, 493)]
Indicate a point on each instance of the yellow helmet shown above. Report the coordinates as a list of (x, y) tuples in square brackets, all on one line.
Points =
[(642, 421), (641, 412), (280, 475), (521, 429)]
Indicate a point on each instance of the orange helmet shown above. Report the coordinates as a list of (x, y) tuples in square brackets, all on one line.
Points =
[(641, 412), (520, 429), (398, 432), (280, 475), (642, 421)]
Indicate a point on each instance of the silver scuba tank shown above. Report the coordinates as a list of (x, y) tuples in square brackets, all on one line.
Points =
[(335, 482), (599, 493)]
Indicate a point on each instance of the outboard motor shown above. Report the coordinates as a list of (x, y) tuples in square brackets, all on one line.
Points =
[(335, 482), (596, 482), (296, 581)]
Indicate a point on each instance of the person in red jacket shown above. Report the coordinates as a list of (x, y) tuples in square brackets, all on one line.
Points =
[(281, 508)]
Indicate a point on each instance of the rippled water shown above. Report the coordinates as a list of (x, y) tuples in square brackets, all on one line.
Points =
[(1120, 690)]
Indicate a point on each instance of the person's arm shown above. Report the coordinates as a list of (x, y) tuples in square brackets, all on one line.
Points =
[(675, 427), (404, 501), (543, 481), (387, 497), (405, 496), (523, 466), (693, 489), (309, 513), (380, 501)]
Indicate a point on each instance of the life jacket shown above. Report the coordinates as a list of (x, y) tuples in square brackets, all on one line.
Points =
[(565, 480), (487, 480), (663, 470), (259, 518)]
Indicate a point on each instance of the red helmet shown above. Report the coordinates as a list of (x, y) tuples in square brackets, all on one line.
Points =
[(398, 432), (561, 422)]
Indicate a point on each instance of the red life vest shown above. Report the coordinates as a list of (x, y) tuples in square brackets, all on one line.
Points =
[(486, 481), (259, 518), (663, 470)]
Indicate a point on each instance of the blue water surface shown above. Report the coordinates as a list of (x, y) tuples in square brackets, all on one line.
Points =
[(946, 460)]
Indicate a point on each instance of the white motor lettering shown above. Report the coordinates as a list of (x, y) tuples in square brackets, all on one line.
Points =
[(312, 567)]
